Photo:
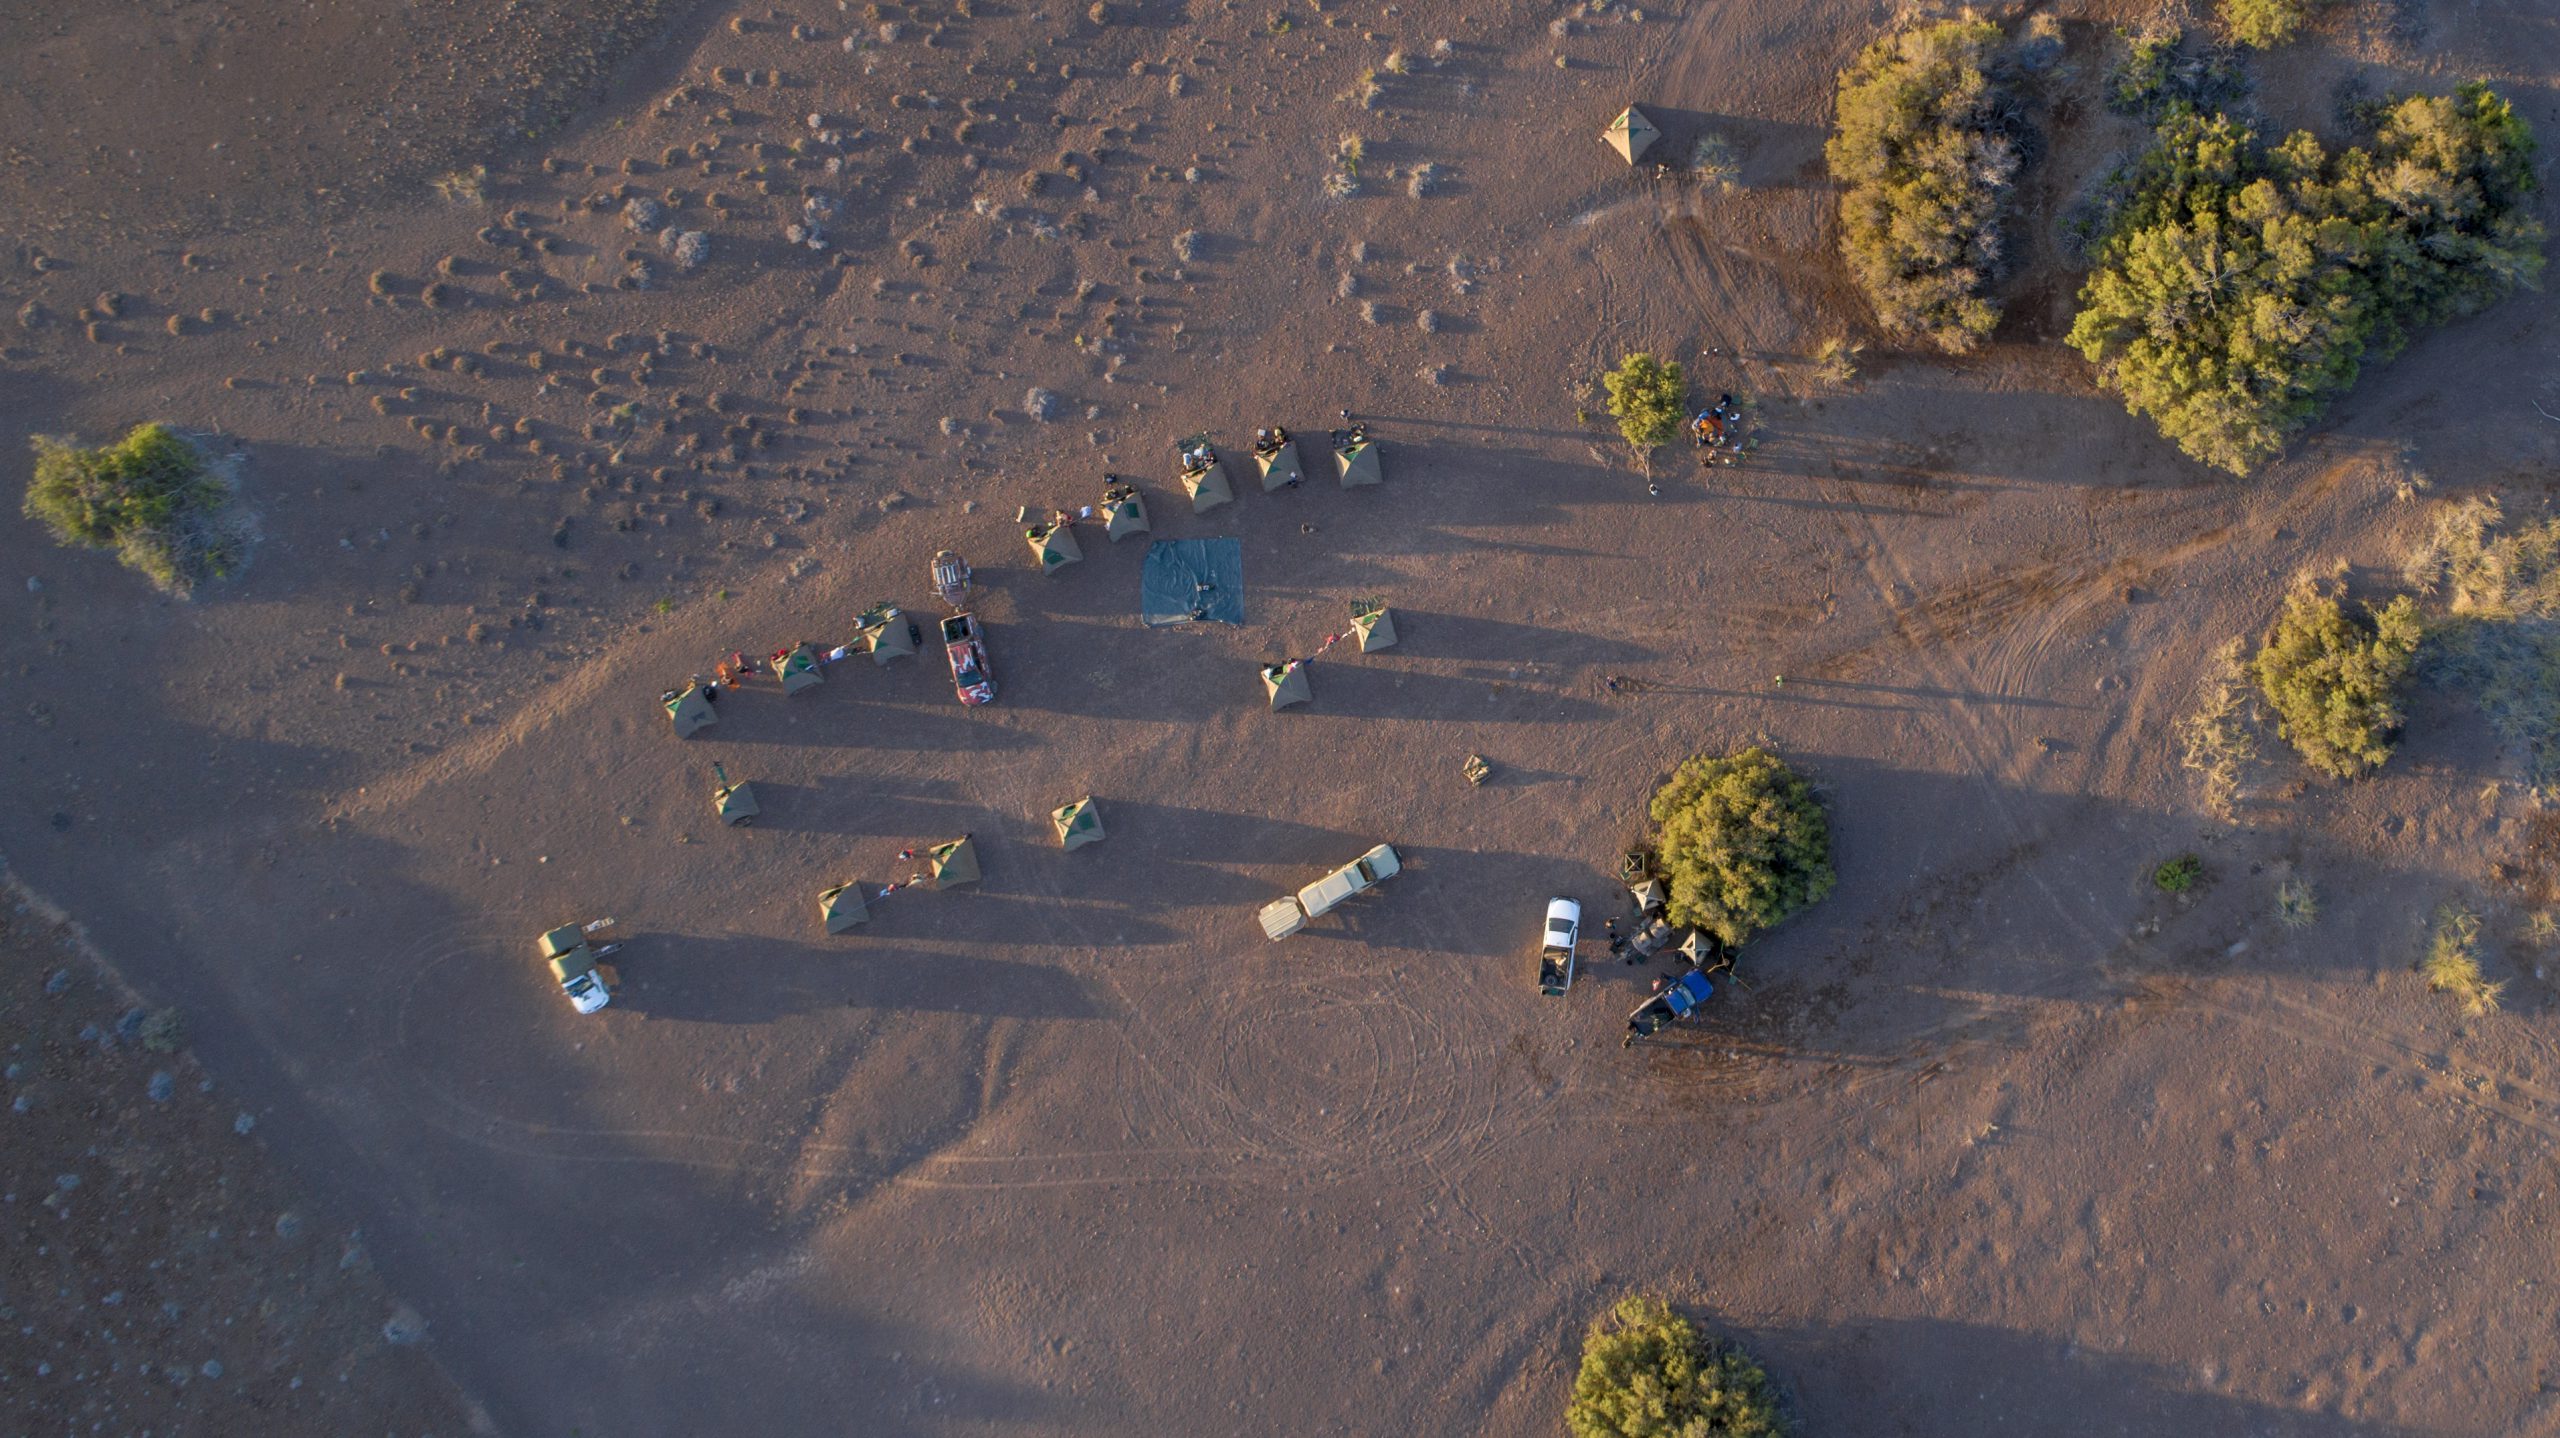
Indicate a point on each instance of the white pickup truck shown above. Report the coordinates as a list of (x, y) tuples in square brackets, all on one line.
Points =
[(1283, 917), (573, 963)]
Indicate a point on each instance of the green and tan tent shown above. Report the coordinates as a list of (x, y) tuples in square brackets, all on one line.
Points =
[(1078, 824), (1631, 134), (799, 669), (954, 863), (881, 634), (690, 710), (1375, 626), (1054, 545), (1359, 464), (1649, 897), (1696, 947), (1280, 467), (1208, 488), (1286, 684), (1123, 512), (734, 803), (842, 907)]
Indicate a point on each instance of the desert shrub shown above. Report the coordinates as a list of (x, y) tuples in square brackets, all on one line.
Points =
[(2157, 72), (2240, 289), (1715, 163), (2334, 678), (1924, 144), (2265, 24), (163, 1031), (2216, 739), (1647, 1372), (1646, 396), (2297, 903), (1836, 359), (2500, 641), (1743, 843), (152, 497), (2452, 962), (2176, 876)]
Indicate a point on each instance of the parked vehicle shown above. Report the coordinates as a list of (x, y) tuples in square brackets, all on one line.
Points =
[(573, 963), (1677, 1000), (951, 579), (960, 640), (1283, 917), (1556, 949)]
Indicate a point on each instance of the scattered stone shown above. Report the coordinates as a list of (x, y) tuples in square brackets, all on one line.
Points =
[(1186, 246), (1428, 322), (243, 1122), (163, 1087), (644, 215), (1426, 180), (1040, 404)]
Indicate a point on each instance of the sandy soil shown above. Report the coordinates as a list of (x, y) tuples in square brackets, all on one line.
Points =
[(163, 1276), (1999, 1138)]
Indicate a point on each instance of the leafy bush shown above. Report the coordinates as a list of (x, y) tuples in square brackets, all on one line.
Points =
[(2265, 24), (1648, 1373), (2157, 73), (2501, 641), (1924, 146), (2240, 288), (151, 497), (2334, 678), (2452, 962), (2178, 875), (1744, 843), (1647, 397)]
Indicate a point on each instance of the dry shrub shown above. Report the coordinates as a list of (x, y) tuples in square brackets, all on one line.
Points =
[(2217, 739), (1924, 145), (2500, 642), (2452, 963)]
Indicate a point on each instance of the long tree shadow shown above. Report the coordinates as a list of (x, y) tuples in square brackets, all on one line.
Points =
[(740, 979)]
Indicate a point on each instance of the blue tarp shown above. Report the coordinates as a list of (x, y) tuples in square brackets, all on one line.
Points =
[(1188, 579)]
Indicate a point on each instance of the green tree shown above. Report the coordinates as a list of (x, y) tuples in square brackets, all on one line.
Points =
[(1743, 841), (1648, 1373), (2240, 289), (2265, 24), (151, 497), (2334, 678), (1647, 397), (1922, 144)]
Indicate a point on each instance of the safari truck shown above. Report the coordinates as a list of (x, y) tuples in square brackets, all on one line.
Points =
[(1555, 950), (1283, 917), (573, 963)]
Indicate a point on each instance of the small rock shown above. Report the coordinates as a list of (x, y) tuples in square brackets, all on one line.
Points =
[(244, 1122), (211, 1369), (163, 1087), (59, 983), (288, 1225), (405, 1326), (1040, 404)]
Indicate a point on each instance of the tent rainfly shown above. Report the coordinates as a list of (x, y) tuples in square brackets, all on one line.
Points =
[(1696, 947), (954, 863), (881, 635), (1054, 544), (1631, 134), (1078, 824), (1359, 464), (1649, 897), (1280, 468), (842, 907), (1375, 626), (690, 711), (1286, 684), (799, 669), (1123, 512)]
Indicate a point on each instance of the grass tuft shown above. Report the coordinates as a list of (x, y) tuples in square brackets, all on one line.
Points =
[(2452, 964)]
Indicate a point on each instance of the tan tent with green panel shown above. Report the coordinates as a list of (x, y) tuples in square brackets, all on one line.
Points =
[(1280, 468), (1359, 464), (690, 711), (1078, 824), (1631, 134), (1286, 684), (799, 669), (881, 634), (954, 863), (842, 907), (1054, 545), (1123, 512), (1374, 625)]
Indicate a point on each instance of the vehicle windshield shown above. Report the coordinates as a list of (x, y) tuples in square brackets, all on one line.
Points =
[(1559, 926)]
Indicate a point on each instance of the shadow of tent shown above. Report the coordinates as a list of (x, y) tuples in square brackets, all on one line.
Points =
[(1466, 636), (1362, 688)]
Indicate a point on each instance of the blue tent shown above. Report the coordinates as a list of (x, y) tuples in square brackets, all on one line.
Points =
[(1189, 579)]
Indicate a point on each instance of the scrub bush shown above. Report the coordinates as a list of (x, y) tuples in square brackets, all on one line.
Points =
[(152, 497), (2334, 678), (1646, 397), (1925, 144), (1648, 1373)]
